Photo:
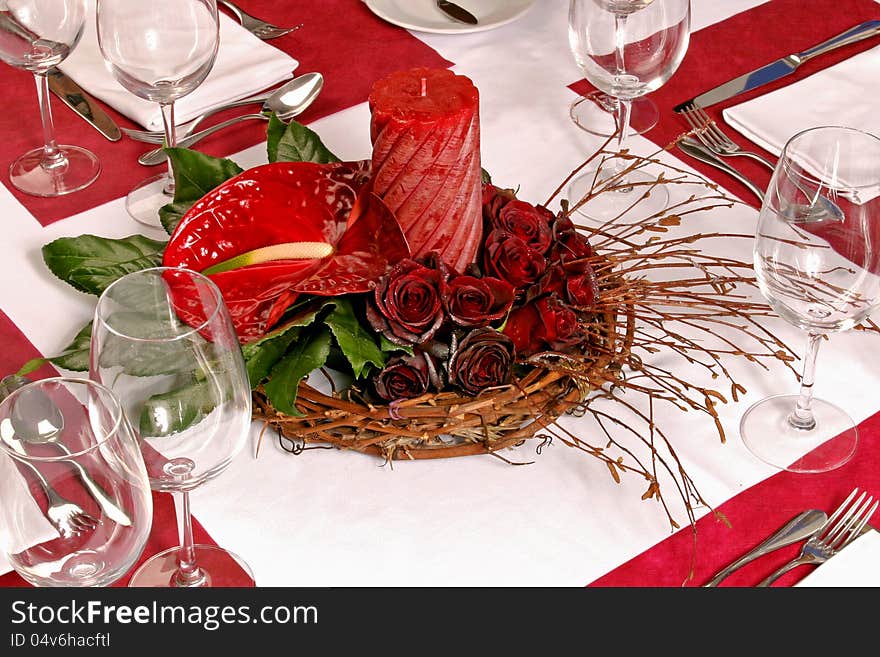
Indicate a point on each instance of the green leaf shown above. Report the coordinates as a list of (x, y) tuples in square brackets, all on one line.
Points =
[(90, 263), (195, 174), (31, 366), (485, 177), (150, 357), (171, 412), (295, 143), (75, 356), (261, 355), (355, 341), (390, 347), (309, 353)]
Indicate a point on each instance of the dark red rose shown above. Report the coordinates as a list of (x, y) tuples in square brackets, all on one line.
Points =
[(575, 282), (528, 222), (480, 360), (545, 324), (472, 302), (509, 258), (568, 243), (406, 305), (406, 376), (494, 199)]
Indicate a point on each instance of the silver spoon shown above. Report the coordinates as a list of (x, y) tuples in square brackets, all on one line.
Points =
[(186, 129), (37, 420), (287, 101)]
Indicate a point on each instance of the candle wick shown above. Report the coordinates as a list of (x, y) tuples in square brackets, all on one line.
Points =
[(424, 87)]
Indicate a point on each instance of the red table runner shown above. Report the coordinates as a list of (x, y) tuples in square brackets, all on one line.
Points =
[(342, 39), (715, 55), (17, 350)]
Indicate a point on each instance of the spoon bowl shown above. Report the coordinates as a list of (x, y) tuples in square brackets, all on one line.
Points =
[(286, 102)]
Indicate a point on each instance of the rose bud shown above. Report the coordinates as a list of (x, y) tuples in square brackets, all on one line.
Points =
[(471, 301), (509, 258), (482, 359), (405, 377), (406, 305), (528, 222)]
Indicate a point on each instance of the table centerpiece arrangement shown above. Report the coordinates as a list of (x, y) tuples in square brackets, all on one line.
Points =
[(410, 307)]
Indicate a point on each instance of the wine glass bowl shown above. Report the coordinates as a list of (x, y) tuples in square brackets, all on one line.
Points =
[(163, 340), (35, 36), (77, 508), (822, 276), (626, 49), (160, 51)]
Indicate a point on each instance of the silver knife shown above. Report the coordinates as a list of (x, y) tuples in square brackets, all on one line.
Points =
[(781, 67), (457, 12), (83, 104)]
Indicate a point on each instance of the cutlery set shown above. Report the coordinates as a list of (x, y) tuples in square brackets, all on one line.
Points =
[(824, 537), (711, 143)]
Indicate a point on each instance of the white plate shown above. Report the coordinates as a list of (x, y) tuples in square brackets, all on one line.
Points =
[(425, 16)]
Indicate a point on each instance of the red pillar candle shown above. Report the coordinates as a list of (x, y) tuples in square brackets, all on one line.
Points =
[(425, 130)]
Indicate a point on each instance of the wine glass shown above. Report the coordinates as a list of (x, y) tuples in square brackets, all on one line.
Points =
[(821, 276), (626, 49), (163, 340), (77, 508), (160, 50), (35, 36)]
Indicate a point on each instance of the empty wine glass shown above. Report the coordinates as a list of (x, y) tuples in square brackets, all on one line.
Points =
[(159, 50), (163, 341), (626, 49), (77, 508), (821, 276), (35, 36)]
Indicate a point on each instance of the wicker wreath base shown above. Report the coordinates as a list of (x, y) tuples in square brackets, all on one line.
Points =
[(448, 424)]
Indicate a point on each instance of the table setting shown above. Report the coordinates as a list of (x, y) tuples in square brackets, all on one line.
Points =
[(395, 313)]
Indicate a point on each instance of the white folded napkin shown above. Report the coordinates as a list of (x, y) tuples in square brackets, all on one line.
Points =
[(845, 94), (244, 66), (858, 564)]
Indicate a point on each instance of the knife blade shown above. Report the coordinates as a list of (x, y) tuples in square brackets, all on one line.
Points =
[(76, 98), (781, 67), (457, 12)]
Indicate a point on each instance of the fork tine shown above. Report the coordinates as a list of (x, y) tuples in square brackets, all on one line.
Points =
[(846, 519), (840, 509), (853, 525)]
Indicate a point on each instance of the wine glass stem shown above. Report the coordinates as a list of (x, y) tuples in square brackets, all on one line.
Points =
[(802, 415), (624, 106), (53, 158), (170, 141), (188, 571)]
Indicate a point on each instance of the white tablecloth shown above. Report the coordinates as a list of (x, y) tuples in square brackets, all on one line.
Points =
[(327, 518)]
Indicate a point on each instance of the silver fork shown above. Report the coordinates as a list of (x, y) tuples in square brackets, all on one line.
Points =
[(708, 132), (68, 517), (850, 521), (256, 26)]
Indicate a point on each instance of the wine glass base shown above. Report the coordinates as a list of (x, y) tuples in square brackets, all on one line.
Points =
[(767, 434), (618, 207), (27, 174), (594, 113), (221, 568), (144, 201)]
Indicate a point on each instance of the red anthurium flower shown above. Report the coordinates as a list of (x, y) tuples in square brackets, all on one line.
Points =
[(286, 228)]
